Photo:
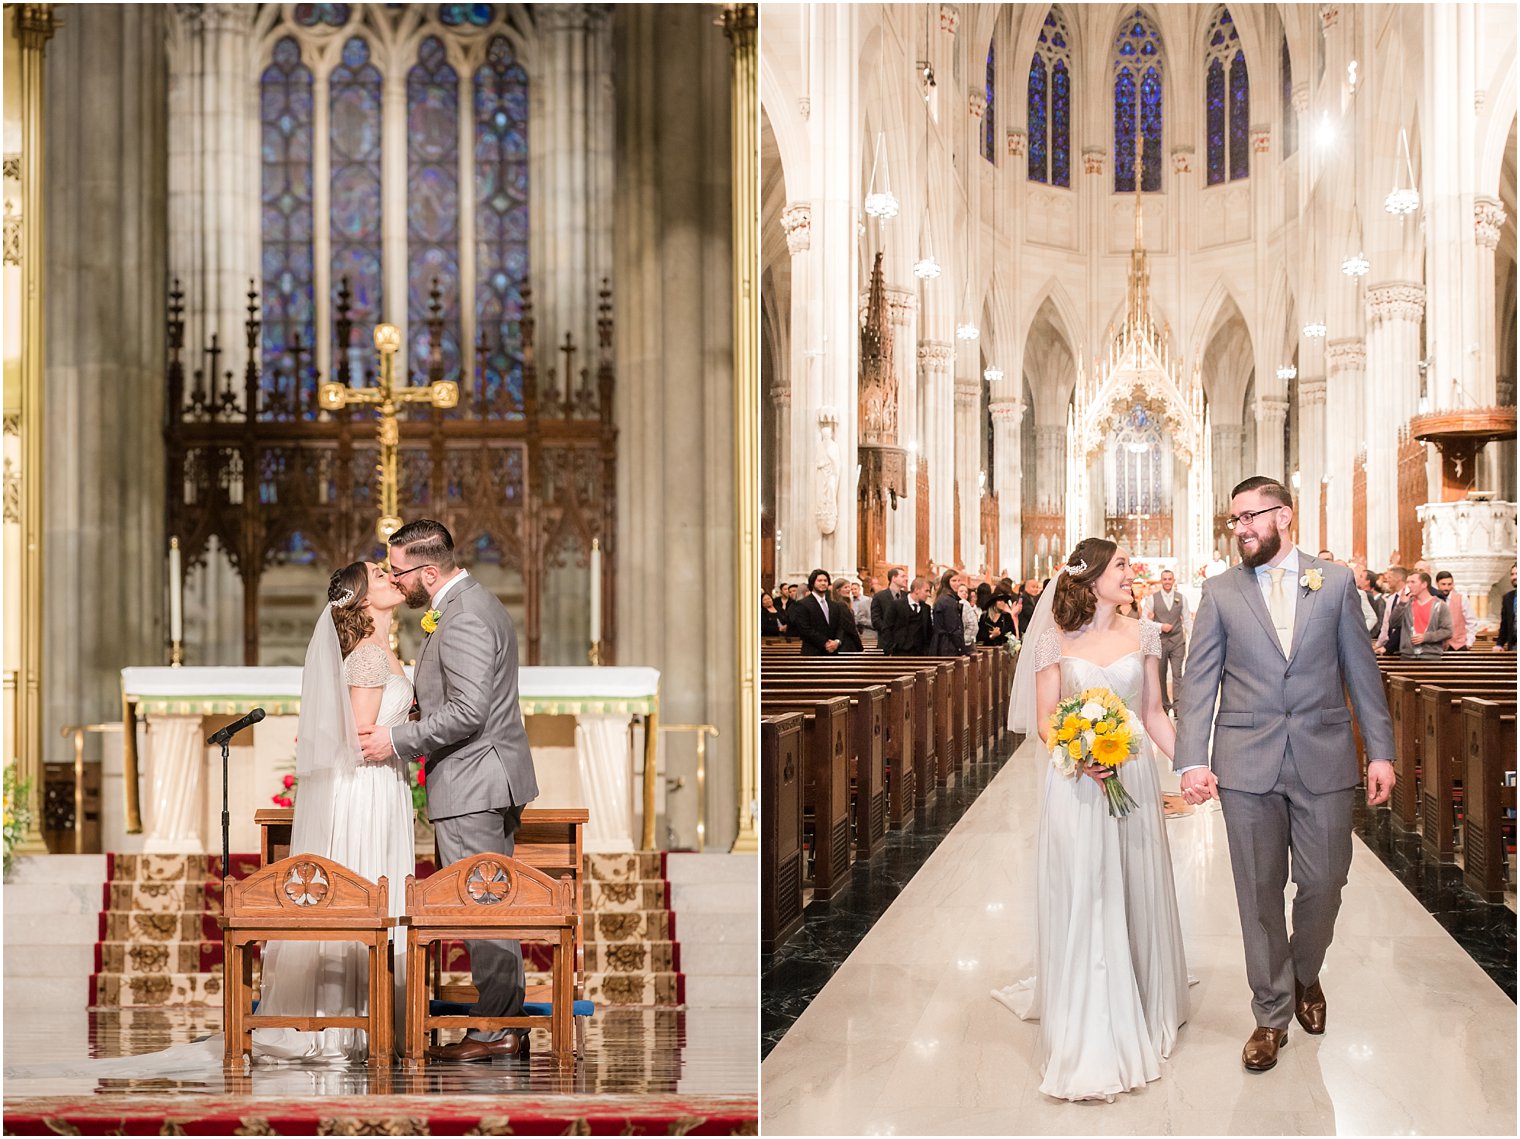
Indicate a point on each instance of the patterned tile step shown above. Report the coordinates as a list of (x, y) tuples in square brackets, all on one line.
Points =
[(189, 867)]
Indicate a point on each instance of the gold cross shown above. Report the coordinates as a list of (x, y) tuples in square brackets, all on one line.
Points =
[(335, 397)]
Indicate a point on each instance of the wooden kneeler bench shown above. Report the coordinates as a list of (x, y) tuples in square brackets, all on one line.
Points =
[(488, 897), (306, 898)]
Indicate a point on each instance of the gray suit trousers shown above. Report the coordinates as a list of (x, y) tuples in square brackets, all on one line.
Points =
[(1262, 829), (496, 966), (1173, 653)]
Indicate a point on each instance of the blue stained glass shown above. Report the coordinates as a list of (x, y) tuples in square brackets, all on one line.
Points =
[(1240, 119), (1150, 126), (286, 221), (1038, 166), (989, 115), (501, 218), (1289, 116), (354, 104), (1060, 133), (1124, 132), (432, 194), (1214, 106), (460, 15), (315, 15)]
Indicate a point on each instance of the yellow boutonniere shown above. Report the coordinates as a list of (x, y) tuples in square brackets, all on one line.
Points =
[(1312, 580), (430, 621)]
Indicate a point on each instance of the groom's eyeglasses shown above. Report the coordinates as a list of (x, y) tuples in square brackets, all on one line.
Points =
[(1247, 516), (395, 573)]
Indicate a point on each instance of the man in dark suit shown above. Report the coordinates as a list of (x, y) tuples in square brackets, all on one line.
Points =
[(1506, 639), (886, 611), (1387, 642), (918, 620), (816, 618)]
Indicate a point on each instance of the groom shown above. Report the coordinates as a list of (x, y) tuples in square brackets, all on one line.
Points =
[(479, 769), (1278, 642)]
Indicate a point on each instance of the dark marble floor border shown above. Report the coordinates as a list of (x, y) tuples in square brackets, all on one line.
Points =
[(795, 973)]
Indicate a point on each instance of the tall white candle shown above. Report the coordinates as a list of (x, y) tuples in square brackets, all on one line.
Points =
[(176, 597), (596, 591)]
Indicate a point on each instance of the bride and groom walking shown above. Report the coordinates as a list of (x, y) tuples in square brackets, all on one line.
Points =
[(1277, 644)]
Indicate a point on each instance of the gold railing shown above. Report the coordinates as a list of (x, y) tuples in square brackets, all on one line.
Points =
[(78, 732), (703, 731)]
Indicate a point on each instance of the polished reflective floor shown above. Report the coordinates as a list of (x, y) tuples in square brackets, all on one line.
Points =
[(904, 1037)]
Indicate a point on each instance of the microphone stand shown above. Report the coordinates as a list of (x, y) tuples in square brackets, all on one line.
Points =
[(226, 826)]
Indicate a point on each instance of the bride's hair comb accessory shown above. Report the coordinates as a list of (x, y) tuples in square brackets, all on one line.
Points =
[(344, 599), (1076, 567)]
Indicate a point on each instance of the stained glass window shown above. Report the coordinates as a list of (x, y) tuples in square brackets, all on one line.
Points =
[(501, 216), (316, 15), (989, 115), (354, 92), (1138, 103), (1050, 103), (285, 112), (464, 15), (1227, 101), (1240, 119), (432, 195), (1289, 116), (1038, 161)]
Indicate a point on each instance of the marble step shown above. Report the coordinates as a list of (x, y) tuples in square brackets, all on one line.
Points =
[(714, 897), (734, 958), (56, 869), (742, 927), (50, 928), (52, 898), (724, 992), (26, 963), (64, 994), (700, 869)]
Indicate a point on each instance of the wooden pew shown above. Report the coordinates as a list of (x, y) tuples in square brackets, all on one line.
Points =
[(825, 786), (781, 856), (1408, 725), (1488, 756), (1441, 751)]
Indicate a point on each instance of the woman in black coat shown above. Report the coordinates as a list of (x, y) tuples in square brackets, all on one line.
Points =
[(997, 626), (946, 631)]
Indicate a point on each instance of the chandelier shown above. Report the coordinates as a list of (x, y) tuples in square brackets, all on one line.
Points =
[(993, 374), (926, 269), (967, 331), (1314, 330), (1287, 372), (1356, 265), (880, 203), (1403, 200)]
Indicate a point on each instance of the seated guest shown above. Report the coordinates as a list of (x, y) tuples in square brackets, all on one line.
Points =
[(770, 620), (1425, 621), (948, 636), (1464, 622), (849, 631), (1506, 639), (816, 619)]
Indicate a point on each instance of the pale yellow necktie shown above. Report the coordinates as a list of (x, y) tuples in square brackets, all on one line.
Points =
[(1277, 605)]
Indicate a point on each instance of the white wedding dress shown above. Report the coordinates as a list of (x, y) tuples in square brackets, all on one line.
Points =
[(1110, 989)]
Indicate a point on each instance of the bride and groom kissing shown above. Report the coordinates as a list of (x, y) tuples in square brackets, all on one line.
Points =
[(1277, 644)]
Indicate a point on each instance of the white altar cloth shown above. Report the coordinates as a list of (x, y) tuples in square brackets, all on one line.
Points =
[(181, 770)]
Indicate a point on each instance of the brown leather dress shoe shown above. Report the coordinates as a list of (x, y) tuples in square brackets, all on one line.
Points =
[(1260, 1054), (468, 1049), (1309, 1007)]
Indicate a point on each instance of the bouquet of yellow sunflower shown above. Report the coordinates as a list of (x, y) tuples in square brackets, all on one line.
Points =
[(1095, 729)]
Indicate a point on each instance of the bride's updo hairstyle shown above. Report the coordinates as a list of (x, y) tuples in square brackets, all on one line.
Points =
[(346, 591), (1075, 602)]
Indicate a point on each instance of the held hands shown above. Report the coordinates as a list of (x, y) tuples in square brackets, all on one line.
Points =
[(1166, 628), (1380, 781), (1199, 785), (376, 744)]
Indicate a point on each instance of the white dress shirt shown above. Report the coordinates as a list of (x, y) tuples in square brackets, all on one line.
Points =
[(446, 586), (1289, 565), (1176, 597)]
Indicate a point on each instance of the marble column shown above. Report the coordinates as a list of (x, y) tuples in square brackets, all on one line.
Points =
[(936, 446), (1050, 465), (1488, 222), (105, 256), (968, 459), (1228, 460), (1271, 415), (1345, 366), (902, 312), (1393, 354), (674, 344), (1312, 444), (572, 151), (1006, 479), (793, 544)]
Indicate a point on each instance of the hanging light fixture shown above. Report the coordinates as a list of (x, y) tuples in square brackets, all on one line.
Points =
[(993, 374), (1356, 265), (967, 330), (1314, 330), (1287, 372), (883, 203), (1402, 200), (926, 268)]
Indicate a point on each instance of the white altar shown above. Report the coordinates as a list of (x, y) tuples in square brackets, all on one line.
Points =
[(174, 710)]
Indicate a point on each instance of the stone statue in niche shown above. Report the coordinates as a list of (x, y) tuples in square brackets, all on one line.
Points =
[(826, 475)]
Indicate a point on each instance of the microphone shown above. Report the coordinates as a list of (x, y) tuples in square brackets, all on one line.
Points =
[(236, 726)]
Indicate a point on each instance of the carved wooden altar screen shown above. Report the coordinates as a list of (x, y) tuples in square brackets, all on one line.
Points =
[(1359, 507), (991, 561), (1414, 492), (883, 464), (523, 471)]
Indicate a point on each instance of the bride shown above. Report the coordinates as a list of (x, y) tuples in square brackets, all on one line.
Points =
[(1110, 989), (358, 814)]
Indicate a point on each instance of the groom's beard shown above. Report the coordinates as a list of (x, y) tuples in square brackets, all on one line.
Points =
[(417, 596), (1267, 547)]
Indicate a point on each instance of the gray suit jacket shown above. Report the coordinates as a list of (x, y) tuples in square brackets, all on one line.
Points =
[(1437, 637), (471, 731), (1268, 702)]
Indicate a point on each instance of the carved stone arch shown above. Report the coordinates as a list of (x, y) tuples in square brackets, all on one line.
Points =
[(1050, 356), (1494, 141)]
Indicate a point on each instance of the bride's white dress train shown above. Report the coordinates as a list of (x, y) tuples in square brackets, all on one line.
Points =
[(1111, 985)]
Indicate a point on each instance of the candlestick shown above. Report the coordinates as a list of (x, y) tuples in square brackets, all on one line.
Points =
[(176, 597), (596, 591)]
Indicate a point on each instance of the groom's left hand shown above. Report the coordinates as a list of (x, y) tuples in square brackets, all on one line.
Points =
[(1380, 781), (376, 744)]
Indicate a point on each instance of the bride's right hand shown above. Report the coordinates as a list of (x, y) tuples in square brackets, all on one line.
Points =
[(1098, 773)]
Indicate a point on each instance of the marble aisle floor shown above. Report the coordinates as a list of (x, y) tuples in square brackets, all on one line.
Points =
[(905, 1039)]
